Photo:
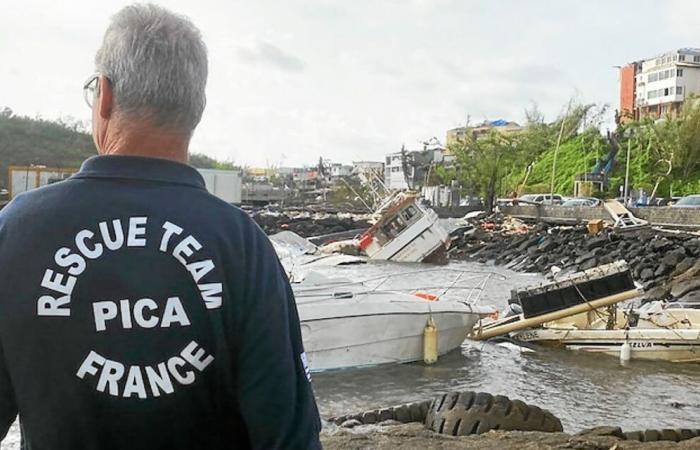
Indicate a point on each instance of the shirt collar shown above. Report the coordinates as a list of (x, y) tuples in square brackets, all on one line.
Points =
[(140, 168)]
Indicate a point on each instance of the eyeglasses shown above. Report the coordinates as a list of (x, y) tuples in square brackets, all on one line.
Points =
[(90, 89)]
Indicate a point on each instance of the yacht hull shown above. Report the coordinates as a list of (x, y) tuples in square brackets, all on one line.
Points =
[(372, 339)]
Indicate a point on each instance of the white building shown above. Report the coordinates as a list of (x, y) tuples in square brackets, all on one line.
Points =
[(418, 164), (367, 171), (225, 184), (341, 170), (26, 178), (394, 177), (662, 83)]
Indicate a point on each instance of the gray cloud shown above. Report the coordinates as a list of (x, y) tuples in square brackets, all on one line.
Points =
[(270, 54)]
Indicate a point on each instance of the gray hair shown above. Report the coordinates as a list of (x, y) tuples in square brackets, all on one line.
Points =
[(156, 62)]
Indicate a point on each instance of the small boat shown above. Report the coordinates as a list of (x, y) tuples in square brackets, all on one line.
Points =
[(654, 331), (349, 324), (583, 312), (405, 231)]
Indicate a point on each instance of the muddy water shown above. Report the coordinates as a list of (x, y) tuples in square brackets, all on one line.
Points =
[(582, 390)]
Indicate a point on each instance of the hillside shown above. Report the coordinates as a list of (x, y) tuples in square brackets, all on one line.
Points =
[(25, 141), (579, 155)]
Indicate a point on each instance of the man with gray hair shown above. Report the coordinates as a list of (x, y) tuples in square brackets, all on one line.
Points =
[(138, 311)]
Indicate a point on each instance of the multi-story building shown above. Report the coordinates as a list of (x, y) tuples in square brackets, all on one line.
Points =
[(502, 126), (341, 170), (408, 169), (659, 85)]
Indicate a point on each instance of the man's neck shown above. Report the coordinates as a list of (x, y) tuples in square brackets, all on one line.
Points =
[(147, 142)]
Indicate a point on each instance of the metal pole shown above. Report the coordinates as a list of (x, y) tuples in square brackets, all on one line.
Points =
[(556, 150), (627, 170)]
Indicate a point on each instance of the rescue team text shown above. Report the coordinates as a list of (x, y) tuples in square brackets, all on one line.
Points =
[(143, 382), (112, 236)]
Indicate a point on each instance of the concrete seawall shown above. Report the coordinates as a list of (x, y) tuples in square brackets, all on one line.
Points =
[(686, 218)]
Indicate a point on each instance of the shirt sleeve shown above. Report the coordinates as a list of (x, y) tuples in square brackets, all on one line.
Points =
[(8, 406), (275, 396)]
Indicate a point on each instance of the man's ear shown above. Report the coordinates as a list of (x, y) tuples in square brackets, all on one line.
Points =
[(105, 99)]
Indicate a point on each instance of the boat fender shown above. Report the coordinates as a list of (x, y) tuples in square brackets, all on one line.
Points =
[(625, 352), (430, 342)]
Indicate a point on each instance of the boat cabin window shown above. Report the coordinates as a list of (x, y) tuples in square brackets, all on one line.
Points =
[(411, 213), (394, 227)]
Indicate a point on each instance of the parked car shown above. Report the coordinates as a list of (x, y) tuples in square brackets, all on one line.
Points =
[(583, 202), (689, 201), (543, 199)]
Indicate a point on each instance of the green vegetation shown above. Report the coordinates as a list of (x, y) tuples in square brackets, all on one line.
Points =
[(664, 155), (28, 141), (25, 141), (202, 161)]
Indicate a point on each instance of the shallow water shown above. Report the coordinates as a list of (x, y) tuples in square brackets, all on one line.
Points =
[(582, 390)]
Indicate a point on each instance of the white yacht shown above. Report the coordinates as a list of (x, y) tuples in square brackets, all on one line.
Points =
[(347, 324)]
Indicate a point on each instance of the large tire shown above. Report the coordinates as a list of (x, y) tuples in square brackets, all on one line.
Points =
[(464, 413), (409, 412), (662, 435)]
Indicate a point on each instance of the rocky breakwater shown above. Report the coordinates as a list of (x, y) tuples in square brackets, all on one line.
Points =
[(308, 224), (666, 263)]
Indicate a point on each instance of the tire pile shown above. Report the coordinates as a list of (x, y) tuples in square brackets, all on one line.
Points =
[(468, 413)]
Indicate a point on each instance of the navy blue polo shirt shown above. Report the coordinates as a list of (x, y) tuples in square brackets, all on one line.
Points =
[(138, 311)]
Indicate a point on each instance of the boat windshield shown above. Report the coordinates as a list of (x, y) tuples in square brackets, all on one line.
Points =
[(394, 227)]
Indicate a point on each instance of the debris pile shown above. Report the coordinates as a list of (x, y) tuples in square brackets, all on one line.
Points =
[(665, 263), (308, 224)]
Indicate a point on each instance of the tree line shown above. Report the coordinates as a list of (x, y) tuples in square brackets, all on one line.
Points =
[(664, 154), (62, 143)]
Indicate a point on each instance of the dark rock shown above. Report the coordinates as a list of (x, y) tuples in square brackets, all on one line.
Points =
[(650, 284), (547, 245), (663, 269), (680, 289), (589, 264), (532, 251), (603, 431), (684, 265), (690, 297), (646, 274), (660, 244), (607, 259), (586, 256), (596, 242), (657, 293), (674, 257), (636, 272), (529, 243)]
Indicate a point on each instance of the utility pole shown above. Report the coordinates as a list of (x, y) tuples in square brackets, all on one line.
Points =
[(556, 150), (627, 169)]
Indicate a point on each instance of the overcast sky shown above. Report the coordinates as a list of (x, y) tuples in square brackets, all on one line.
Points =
[(296, 79)]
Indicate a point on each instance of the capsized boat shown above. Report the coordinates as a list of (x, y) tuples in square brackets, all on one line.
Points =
[(354, 324), (656, 331), (584, 312), (403, 230)]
